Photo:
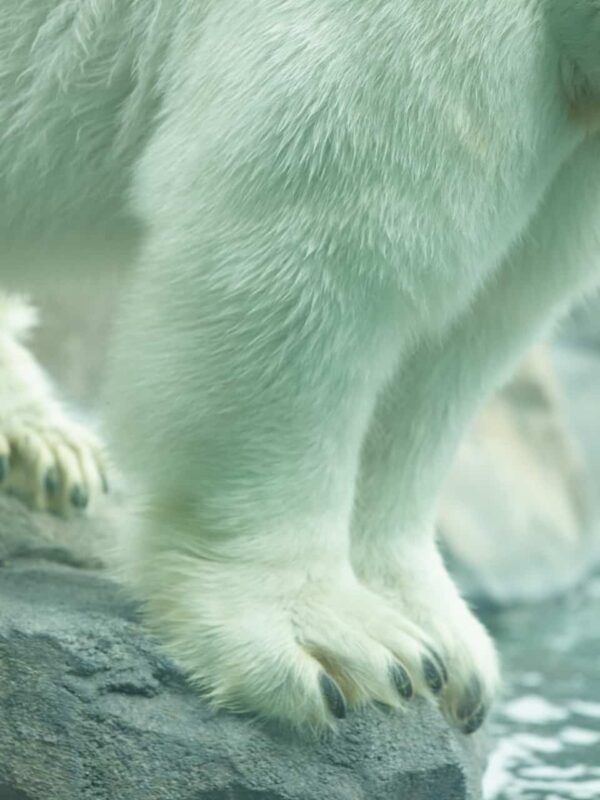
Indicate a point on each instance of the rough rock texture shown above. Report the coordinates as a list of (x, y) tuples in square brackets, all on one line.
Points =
[(90, 709)]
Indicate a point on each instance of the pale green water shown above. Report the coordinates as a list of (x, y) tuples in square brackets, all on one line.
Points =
[(547, 728)]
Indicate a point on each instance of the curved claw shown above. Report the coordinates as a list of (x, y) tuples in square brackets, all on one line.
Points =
[(4, 465), (79, 497), (52, 481), (439, 662), (333, 696), (402, 681), (475, 721), (434, 676), (471, 710)]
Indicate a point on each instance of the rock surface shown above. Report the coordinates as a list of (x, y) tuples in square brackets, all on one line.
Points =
[(90, 709)]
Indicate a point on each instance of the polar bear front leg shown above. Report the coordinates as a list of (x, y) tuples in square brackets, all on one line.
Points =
[(425, 410), (49, 461), (273, 627), (415, 428), (243, 400)]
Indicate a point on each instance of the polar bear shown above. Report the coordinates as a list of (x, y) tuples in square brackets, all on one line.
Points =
[(351, 218)]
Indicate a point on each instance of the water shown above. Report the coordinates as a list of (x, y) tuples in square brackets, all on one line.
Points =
[(546, 728)]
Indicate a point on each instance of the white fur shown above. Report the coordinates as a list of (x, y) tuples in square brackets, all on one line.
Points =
[(352, 219), (46, 458)]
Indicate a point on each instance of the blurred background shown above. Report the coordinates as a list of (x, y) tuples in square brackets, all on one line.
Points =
[(519, 522)]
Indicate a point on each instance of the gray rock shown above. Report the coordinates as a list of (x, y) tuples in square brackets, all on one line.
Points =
[(90, 709)]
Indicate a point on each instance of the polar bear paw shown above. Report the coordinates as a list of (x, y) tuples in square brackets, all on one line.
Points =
[(286, 643), (51, 464), (417, 584), (49, 461)]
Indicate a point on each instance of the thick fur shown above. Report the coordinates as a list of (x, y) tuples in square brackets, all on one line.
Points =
[(353, 217)]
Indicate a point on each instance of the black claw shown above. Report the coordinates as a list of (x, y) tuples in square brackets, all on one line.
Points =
[(433, 676), (402, 681), (471, 706), (333, 696), (440, 665), (474, 722), (79, 496), (3, 467), (51, 481)]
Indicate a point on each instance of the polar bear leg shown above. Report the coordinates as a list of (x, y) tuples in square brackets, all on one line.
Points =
[(424, 411), (49, 461), (241, 397)]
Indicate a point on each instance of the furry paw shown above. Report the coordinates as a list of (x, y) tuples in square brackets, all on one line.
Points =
[(52, 465), (285, 643), (419, 586), (50, 462)]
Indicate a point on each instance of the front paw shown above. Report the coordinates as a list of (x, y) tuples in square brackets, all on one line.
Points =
[(49, 461), (467, 679), (51, 464), (289, 643), (473, 677)]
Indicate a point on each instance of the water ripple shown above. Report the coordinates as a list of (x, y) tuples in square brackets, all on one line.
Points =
[(547, 730)]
